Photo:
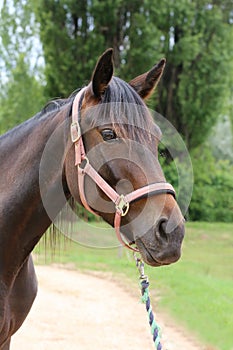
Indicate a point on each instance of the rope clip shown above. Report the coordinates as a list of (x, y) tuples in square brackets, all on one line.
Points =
[(140, 266)]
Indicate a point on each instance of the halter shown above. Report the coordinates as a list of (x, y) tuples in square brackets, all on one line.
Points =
[(121, 201)]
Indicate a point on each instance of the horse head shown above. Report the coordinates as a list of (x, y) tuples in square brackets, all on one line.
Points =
[(121, 140)]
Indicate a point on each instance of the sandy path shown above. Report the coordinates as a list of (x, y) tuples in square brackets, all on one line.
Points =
[(76, 311)]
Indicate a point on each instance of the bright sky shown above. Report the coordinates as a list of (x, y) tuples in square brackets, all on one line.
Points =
[(1, 4)]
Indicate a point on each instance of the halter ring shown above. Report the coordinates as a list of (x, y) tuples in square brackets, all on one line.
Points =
[(75, 131), (122, 205)]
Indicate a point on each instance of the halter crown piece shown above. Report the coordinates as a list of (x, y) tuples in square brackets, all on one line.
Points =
[(121, 201)]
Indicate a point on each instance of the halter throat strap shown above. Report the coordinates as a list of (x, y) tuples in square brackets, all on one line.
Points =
[(121, 201)]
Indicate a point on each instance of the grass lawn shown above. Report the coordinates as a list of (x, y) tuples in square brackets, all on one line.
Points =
[(197, 291)]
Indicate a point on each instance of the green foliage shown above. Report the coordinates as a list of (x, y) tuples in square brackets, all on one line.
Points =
[(212, 198), (221, 139), (74, 34), (21, 92), (70, 48), (199, 51), (195, 37), (22, 98), (17, 36)]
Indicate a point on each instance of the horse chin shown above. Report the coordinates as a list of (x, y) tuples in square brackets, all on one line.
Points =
[(150, 257)]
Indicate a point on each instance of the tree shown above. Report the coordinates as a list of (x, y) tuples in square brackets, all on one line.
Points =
[(23, 96), (21, 91), (194, 36), (18, 35), (195, 87), (74, 34), (212, 198)]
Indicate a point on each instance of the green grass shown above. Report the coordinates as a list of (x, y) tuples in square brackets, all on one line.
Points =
[(197, 291)]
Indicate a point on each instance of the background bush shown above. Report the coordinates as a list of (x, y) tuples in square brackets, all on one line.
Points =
[(212, 197)]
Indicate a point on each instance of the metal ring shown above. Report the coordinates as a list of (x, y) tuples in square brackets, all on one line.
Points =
[(122, 205)]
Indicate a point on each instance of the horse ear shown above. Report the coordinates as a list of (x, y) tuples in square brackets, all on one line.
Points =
[(103, 73), (145, 83)]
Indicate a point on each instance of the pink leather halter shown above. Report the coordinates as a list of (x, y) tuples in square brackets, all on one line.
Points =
[(122, 202)]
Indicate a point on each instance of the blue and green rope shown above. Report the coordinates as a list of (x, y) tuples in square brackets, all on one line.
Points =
[(155, 329)]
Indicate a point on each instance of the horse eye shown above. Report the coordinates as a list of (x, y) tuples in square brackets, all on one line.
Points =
[(108, 135)]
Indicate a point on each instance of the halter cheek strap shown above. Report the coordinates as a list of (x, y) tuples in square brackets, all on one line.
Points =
[(122, 202)]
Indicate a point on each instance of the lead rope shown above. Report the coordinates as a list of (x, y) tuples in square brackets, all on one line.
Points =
[(155, 329)]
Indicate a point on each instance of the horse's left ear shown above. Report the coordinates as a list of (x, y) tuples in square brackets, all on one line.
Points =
[(145, 83), (102, 73)]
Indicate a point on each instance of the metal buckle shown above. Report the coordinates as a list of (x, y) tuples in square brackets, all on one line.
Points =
[(75, 132), (84, 163), (122, 205)]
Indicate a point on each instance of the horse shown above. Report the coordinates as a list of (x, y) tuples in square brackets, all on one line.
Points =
[(99, 159)]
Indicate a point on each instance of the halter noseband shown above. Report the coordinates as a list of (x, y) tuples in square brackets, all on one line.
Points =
[(121, 201)]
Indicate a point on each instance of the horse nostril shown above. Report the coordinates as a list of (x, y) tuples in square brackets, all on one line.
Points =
[(161, 229)]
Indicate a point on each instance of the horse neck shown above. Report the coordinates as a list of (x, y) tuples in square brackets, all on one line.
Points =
[(23, 219)]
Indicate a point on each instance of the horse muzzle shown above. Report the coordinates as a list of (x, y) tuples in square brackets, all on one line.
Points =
[(160, 245)]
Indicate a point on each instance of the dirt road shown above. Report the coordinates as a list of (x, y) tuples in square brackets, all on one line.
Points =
[(81, 311)]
